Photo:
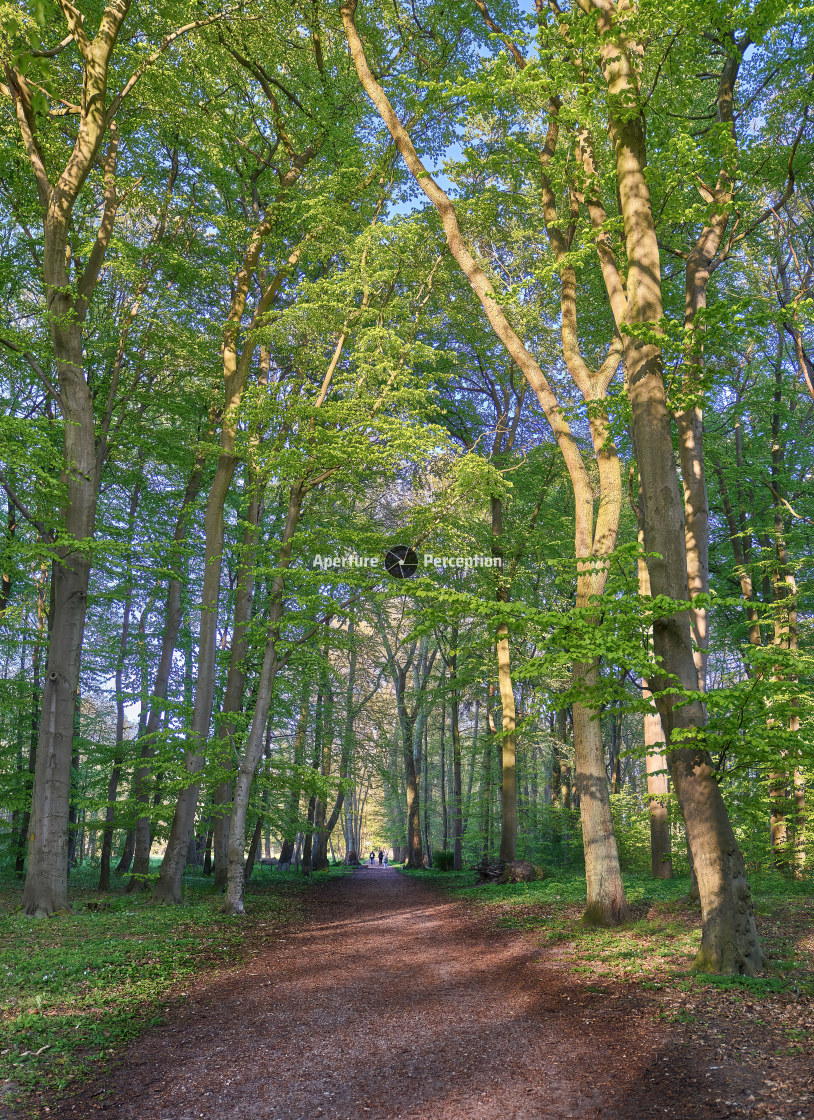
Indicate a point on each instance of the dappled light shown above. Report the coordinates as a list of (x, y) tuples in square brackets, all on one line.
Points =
[(406, 559)]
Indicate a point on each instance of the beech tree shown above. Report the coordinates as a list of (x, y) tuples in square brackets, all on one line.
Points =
[(315, 280), (611, 38), (60, 171)]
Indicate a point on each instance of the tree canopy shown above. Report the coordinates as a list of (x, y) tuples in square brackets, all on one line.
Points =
[(522, 290)]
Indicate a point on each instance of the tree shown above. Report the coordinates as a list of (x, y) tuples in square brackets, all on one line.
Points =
[(606, 902), (69, 283)]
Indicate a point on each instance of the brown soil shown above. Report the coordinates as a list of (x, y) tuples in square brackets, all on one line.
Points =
[(390, 1000)]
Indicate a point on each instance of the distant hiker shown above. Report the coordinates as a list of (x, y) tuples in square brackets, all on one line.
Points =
[(381, 857), (372, 857), (385, 859)]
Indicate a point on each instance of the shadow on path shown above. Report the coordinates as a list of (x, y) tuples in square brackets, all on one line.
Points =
[(389, 1001)]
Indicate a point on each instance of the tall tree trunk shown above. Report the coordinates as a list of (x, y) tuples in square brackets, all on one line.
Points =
[(457, 808), (236, 367), (661, 863), (128, 848), (67, 298), (415, 850), (168, 887), (73, 813), (486, 778), (308, 836), (605, 892), (701, 261), (508, 785), (151, 720), (291, 820), (34, 725), (323, 758), (606, 897), (784, 781), (425, 786), (254, 844), (46, 886), (316, 762), (119, 751), (254, 742), (207, 864), (325, 830), (412, 721), (661, 860), (471, 776), (235, 684), (508, 796), (729, 941), (444, 813), (564, 785)]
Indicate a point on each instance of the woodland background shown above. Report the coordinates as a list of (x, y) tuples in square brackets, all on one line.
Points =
[(233, 336)]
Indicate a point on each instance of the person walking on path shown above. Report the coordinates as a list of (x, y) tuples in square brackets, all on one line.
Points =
[(372, 857), (381, 857)]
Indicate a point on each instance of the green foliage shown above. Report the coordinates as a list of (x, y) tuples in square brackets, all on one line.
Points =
[(77, 990), (656, 947), (409, 442)]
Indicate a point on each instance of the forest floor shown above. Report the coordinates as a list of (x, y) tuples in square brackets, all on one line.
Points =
[(386, 996)]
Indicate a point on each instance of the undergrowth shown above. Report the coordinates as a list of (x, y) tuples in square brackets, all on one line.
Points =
[(657, 946), (77, 987)]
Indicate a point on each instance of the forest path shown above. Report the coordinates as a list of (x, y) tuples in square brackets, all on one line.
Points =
[(392, 1000)]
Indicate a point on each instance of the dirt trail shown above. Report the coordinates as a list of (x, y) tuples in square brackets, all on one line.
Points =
[(390, 1000)]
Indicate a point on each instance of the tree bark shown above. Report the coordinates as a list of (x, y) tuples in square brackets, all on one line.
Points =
[(151, 721), (729, 940), (119, 751), (593, 387), (254, 742), (235, 685)]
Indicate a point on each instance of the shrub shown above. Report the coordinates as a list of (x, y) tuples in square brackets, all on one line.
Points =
[(443, 860)]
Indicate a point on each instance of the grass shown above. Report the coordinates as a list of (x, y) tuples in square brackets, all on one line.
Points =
[(452, 880), (657, 947), (78, 987)]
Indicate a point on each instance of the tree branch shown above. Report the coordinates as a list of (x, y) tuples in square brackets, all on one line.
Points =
[(774, 207), (40, 526), (74, 19), (139, 73), (90, 274), (36, 367)]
